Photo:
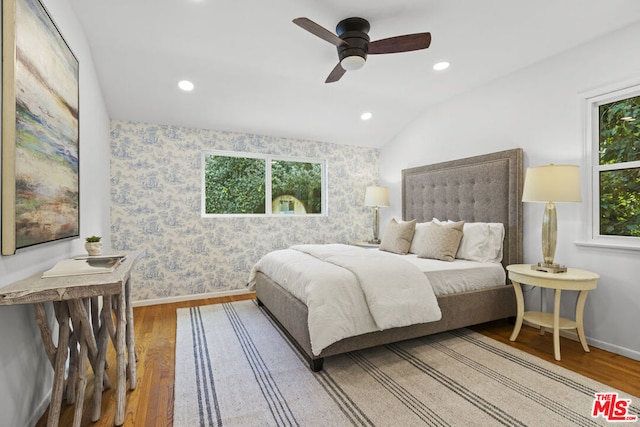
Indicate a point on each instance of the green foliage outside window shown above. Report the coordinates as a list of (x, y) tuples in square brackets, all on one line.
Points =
[(234, 185), (300, 180), (619, 143), (237, 185)]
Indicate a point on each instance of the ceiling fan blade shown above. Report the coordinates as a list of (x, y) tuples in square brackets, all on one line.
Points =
[(317, 30), (336, 74), (398, 44)]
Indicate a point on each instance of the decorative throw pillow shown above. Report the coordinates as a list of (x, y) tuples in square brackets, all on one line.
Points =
[(397, 237), (442, 241), (419, 237)]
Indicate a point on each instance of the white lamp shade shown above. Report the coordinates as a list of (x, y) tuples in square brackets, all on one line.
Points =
[(376, 196), (552, 183)]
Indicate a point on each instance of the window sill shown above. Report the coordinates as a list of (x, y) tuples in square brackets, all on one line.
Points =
[(609, 245)]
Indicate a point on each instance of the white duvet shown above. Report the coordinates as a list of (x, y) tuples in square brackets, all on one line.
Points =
[(350, 290)]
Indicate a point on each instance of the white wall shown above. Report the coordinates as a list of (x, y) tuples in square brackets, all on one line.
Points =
[(537, 109), (25, 372)]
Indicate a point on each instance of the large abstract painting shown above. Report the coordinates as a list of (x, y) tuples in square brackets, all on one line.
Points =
[(40, 129)]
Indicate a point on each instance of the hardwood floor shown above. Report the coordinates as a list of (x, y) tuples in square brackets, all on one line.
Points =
[(608, 368), (151, 403)]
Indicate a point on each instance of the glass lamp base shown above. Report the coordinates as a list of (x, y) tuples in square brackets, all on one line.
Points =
[(549, 268)]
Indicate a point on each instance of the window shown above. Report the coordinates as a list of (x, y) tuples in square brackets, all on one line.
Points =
[(253, 184), (614, 140)]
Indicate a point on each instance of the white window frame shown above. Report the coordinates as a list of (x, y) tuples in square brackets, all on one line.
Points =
[(590, 103), (268, 158)]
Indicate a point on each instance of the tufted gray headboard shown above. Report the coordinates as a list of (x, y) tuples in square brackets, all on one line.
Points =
[(484, 188)]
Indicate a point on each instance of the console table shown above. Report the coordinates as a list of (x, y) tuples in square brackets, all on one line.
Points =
[(82, 324)]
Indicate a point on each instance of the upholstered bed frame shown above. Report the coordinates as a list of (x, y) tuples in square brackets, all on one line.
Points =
[(484, 188)]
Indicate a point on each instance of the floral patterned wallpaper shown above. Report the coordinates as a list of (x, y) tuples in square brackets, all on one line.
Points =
[(156, 174)]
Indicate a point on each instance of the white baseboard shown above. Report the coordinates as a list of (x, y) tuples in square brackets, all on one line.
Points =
[(623, 351), (183, 298), (40, 409), (565, 333), (573, 335)]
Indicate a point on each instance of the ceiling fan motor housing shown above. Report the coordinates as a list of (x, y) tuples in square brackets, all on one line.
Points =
[(354, 32)]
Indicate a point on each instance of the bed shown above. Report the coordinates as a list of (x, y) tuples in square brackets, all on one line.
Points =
[(483, 188)]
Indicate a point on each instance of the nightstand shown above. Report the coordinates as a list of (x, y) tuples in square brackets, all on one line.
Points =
[(572, 280)]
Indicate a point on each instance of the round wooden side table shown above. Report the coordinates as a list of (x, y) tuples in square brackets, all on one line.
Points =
[(572, 280)]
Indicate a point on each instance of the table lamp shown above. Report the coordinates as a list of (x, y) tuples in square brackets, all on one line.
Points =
[(550, 184), (376, 197)]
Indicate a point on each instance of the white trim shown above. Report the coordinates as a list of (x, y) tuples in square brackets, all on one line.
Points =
[(565, 333), (618, 166), (268, 158), (40, 409), (602, 345), (196, 297), (623, 351), (589, 102), (603, 244)]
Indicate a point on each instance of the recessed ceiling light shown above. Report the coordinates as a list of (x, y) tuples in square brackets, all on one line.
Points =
[(185, 85), (366, 116), (441, 66)]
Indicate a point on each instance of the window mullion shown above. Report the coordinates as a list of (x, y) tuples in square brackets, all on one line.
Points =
[(595, 202), (618, 166), (227, 173), (268, 192)]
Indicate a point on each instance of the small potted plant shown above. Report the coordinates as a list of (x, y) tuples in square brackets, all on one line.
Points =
[(93, 245)]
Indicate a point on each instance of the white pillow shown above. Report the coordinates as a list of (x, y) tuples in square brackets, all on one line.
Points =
[(437, 221), (475, 244), (419, 236), (471, 247), (496, 238)]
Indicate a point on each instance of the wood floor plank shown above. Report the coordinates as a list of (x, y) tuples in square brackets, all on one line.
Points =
[(151, 403), (609, 368)]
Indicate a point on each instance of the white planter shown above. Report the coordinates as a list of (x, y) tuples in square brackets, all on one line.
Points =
[(93, 248)]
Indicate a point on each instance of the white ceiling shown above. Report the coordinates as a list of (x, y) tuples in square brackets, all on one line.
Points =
[(257, 72)]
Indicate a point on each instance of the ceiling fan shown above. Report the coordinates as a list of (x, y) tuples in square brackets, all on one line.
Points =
[(353, 43)]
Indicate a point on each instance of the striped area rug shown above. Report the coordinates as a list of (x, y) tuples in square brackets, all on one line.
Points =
[(235, 368)]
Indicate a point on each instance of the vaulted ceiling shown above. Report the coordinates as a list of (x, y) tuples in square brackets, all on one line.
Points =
[(255, 71)]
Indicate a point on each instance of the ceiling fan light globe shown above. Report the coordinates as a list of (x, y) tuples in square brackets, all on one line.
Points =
[(351, 63)]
